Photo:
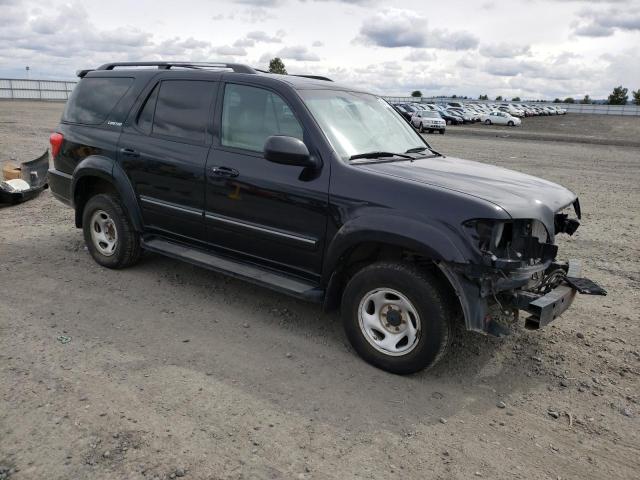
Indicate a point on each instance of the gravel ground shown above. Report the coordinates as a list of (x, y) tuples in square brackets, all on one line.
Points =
[(590, 129), (166, 370)]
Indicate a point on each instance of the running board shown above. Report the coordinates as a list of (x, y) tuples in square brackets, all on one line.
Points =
[(243, 271)]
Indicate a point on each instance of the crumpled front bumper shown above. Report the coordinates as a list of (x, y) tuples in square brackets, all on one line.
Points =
[(546, 308), (490, 305)]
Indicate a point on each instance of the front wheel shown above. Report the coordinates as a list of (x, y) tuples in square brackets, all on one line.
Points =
[(442, 131), (109, 233), (510, 123), (421, 129), (397, 317), (487, 122)]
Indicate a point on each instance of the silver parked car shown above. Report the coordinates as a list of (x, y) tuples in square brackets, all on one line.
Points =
[(429, 121)]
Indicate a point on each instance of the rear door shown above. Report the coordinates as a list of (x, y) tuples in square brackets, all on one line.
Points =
[(270, 213), (164, 152)]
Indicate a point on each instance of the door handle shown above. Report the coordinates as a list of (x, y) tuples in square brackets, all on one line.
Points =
[(129, 152), (224, 172)]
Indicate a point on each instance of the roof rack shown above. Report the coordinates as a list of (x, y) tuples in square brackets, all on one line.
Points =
[(236, 67), (315, 77)]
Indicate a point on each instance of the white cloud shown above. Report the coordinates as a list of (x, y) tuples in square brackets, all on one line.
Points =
[(393, 27), (429, 46)]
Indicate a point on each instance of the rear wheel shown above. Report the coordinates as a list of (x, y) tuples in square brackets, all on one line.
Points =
[(108, 232), (510, 123), (397, 317)]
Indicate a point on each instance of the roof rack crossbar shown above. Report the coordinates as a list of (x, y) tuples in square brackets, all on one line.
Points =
[(236, 67)]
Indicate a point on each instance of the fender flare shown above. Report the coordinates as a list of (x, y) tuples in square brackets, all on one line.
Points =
[(106, 169), (399, 231)]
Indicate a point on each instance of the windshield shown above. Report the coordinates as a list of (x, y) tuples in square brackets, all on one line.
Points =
[(357, 123), (431, 115)]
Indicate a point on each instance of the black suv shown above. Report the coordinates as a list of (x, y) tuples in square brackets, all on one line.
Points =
[(315, 190)]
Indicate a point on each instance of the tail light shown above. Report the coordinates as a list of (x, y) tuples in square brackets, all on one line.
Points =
[(56, 140)]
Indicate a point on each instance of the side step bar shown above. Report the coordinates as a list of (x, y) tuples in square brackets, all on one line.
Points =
[(243, 271)]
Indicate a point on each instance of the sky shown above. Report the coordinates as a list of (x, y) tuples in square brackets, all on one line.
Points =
[(529, 48)]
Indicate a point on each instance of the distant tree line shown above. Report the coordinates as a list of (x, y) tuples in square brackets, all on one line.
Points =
[(619, 96)]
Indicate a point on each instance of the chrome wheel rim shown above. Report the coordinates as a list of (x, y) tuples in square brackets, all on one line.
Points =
[(389, 322), (104, 234)]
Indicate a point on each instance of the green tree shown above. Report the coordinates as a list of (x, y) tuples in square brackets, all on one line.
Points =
[(499, 98), (557, 100), (619, 96), (483, 97), (276, 65), (586, 99), (416, 93), (515, 99), (636, 96), (569, 100)]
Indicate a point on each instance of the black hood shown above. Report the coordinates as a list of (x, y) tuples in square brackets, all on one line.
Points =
[(519, 194)]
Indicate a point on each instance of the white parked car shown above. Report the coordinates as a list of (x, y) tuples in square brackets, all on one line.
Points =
[(429, 121), (501, 118)]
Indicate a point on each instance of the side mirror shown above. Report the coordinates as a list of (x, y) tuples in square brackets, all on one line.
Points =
[(288, 151)]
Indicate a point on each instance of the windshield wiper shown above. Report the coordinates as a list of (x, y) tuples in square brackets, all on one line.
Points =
[(422, 149), (417, 150), (379, 155)]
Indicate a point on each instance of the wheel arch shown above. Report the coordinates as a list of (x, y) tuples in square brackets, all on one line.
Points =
[(99, 174), (358, 244)]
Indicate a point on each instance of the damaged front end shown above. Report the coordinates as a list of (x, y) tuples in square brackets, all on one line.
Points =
[(518, 271)]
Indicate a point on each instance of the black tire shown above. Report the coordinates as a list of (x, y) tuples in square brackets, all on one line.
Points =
[(448, 122), (442, 131), (487, 122), (430, 131), (429, 299), (421, 129), (127, 248), (510, 123)]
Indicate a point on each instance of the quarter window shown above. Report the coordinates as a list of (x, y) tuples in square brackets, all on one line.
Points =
[(94, 98), (250, 115), (182, 109)]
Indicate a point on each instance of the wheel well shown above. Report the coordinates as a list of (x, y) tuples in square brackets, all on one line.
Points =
[(86, 188), (367, 253)]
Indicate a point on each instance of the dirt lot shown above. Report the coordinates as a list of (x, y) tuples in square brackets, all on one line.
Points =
[(171, 370), (590, 129)]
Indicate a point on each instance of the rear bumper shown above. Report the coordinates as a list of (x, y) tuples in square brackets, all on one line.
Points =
[(60, 186)]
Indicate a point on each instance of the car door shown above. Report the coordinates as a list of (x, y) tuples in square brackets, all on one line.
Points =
[(163, 150), (266, 212)]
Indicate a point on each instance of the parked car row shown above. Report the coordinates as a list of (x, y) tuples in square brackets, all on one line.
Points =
[(424, 116)]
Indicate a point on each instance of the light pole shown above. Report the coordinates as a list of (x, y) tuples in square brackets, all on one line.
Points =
[(27, 69)]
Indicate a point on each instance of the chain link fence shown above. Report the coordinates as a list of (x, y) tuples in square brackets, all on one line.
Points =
[(26, 89), (592, 108), (57, 90)]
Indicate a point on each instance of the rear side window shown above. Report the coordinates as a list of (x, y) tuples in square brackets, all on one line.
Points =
[(181, 109), (93, 99), (250, 115)]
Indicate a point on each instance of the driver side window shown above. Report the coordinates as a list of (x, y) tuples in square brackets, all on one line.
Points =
[(250, 115)]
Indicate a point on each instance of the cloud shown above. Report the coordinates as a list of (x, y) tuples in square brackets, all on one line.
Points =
[(317, 43), (504, 50), (260, 3), (393, 28), (260, 36), (604, 23), (229, 50), (419, 55), (297, 53)]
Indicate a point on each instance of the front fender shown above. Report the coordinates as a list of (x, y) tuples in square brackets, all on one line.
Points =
[(106, 169), (428, 240)]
